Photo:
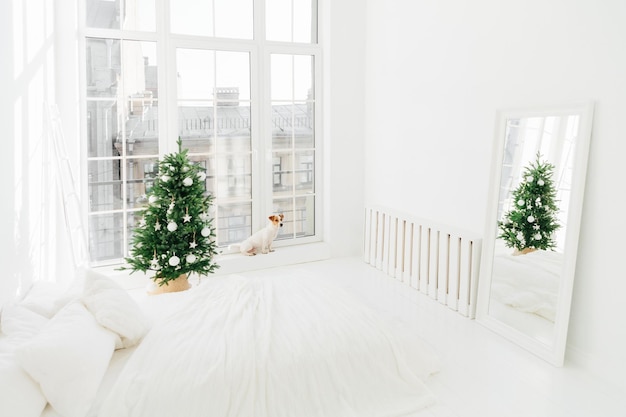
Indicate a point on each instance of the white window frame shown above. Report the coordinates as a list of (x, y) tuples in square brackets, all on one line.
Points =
[(260, 52)]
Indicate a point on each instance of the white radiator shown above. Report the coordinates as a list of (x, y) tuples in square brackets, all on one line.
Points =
[(439, 261)]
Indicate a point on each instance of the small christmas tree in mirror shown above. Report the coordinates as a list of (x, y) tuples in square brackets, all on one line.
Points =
[(532, 221), (175, 236)]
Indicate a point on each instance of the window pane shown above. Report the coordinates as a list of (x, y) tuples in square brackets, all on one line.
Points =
[(106, 236), (196, 74), (304, 171), (102, 128), (103, 14), (292, 77), (213, 75), (303, 77), (192, 17), (281, 77), (282, 126), (196, 126), (232, 72), (140, 179), (304, 216), (304, 125), (278, 20), (292, 123), (293, 173), (282, 173), (103, 67), (217, 18), (139, 15), (234, 224), (135, 14), (299, 216), (234, 19), (291, 20), (127, 126), (234, 176), (105, 185), (305, 21), (233, 129), (139, 81)]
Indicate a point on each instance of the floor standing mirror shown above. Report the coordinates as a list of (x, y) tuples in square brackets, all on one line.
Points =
[(531, 236)]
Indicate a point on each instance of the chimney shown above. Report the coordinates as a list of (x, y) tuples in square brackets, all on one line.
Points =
[(226, 96)]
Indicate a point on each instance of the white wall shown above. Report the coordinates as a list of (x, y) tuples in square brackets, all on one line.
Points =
[(344, 111), (437, 70), (30, 223)]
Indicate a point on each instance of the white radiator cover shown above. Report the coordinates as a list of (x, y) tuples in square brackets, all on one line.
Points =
[(439, 261)]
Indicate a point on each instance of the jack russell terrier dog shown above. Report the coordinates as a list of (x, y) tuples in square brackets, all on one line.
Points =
[(262, 240)]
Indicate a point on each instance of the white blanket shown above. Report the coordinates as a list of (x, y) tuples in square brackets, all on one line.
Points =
[(286, 346), (528, 283)]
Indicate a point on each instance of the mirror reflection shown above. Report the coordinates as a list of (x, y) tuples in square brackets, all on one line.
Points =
[(532, 218)]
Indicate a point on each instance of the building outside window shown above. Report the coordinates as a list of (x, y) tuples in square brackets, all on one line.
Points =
[(237, 81)]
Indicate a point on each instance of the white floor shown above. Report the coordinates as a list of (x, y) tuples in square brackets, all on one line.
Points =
[(482, 375)]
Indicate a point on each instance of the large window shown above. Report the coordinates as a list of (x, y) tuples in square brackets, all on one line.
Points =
[(237, 81)]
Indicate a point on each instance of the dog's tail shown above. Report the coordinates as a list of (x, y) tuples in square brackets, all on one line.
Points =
[(234, 246)]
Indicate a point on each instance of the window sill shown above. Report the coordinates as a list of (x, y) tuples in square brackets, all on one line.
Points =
[(234, 263)]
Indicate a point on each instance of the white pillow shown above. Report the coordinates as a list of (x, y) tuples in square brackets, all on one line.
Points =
[(46, 298), (19, 322), (20, 395), (114, 308), (68, 358)]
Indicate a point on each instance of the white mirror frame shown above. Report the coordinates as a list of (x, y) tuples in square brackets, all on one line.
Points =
[(555, 352)]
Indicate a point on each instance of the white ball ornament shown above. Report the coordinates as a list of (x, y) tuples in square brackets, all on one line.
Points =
[(205, 232), (152, 199), (537, 236), (540, 182), (187, 182), (172, 226), (531, 219), (174, 260), (201, 176), (165, 178), (191, 258), (521, 203)]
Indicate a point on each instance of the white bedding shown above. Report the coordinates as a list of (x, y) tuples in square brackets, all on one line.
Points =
[(528, 283), (281, 346)]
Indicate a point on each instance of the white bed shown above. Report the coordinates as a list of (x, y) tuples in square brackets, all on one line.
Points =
[(524, 290), (529, 283), (283, 345)]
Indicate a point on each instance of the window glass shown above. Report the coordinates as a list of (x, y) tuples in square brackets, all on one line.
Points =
[(293, 144), (215, 18), (106, 236), (291, 20), (214, 113), (116, 14)]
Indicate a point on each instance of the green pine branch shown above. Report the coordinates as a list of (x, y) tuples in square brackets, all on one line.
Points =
[(176, 234), (533, 219)]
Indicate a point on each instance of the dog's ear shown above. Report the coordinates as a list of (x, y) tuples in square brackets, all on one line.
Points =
[(281, 215), (272, 218)]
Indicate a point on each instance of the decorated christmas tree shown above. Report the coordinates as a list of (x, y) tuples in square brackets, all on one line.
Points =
[(532, 221), (175, 235)]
